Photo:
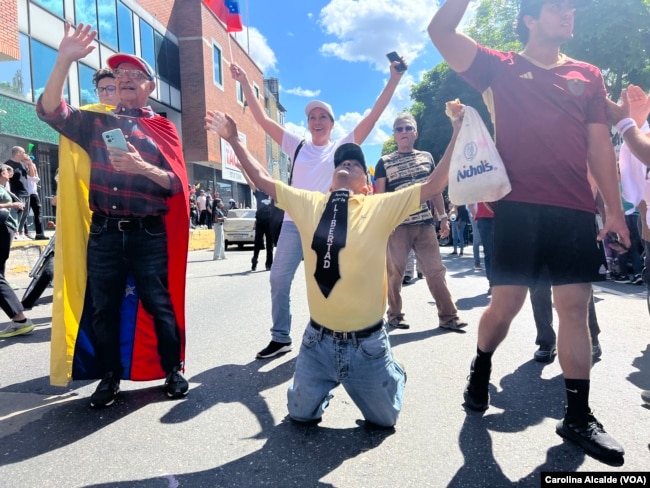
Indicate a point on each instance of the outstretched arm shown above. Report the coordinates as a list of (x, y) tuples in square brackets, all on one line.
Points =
[(366, 125), (224, 125), (437, 181), (270, 126), (75, 45), (458, 49)]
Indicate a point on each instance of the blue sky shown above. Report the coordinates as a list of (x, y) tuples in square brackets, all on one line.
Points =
[(335, 51)]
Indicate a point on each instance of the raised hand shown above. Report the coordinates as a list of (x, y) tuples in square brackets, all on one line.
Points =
[(77, 43)]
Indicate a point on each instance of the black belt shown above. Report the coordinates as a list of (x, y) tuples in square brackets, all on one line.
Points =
[(355, 334), (126, 224)]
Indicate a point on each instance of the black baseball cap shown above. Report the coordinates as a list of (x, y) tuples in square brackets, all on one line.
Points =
[(349, 151)]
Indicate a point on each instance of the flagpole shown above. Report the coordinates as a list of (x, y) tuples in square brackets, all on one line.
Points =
[(230, 47), (248, 24)]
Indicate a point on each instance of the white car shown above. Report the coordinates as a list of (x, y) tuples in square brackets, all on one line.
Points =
[(239, 227)]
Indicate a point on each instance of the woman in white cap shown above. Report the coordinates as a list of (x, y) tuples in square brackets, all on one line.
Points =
[(311, 170)]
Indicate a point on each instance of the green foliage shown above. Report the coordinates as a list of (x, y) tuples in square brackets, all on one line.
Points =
[(388, 146), (615, 36)]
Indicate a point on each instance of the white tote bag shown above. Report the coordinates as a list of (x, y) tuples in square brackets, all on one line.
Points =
[(477, 173)]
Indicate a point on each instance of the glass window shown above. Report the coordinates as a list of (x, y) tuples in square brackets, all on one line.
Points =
[(54, 6), (217, 66), (257, 92), (240, 93), (107, 22), (125, 28), (43, 58), (85, 11), (147, 45), (174, 64), (86, 86), (160, 50), (16, 76)]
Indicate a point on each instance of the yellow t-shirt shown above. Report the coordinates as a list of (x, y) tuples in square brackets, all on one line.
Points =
[(358, 299)]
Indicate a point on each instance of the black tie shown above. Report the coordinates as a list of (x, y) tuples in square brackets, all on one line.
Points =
[(329, 239)]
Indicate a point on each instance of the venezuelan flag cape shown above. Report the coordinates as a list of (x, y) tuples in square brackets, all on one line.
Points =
[(72, 353)]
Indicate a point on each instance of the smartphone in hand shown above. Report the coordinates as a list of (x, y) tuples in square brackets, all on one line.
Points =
[(115, 139), (393, 56)]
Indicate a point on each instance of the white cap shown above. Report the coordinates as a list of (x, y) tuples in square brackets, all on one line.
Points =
[(318, 104)]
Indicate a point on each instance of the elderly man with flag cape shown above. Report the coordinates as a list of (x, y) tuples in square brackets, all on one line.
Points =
[(119, 286)]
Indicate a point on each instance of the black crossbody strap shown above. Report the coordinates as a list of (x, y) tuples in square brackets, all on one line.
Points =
[(293, 161)]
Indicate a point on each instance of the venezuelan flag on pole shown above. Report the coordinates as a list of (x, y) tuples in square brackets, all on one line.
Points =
[(228, 12)]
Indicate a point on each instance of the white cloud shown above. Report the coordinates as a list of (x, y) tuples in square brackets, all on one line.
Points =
[(259, 49), (303, 92), (366, 30)]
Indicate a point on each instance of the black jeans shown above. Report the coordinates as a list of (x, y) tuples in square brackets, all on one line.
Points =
[(35, 205), (112, 256)]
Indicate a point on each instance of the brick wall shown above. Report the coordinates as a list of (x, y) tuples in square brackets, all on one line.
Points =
[(9, 46)]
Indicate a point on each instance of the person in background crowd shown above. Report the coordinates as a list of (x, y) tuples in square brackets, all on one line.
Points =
[(400, 169), (219, 241), (18, 184), (9, 302), (105, 87), (311, 170), (34, 200), (631, 121), (552, 129)]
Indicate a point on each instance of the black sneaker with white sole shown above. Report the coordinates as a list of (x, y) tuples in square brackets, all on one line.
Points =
[(589, 434), (175, 385), (273, 349), (106, 392), (477, 393)]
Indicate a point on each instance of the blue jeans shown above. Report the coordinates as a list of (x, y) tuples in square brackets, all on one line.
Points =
[(366, 368), (485, 227), (112, 256), (288, 256), (476, 242), (459, 234)]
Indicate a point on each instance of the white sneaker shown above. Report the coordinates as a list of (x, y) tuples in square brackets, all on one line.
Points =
[(17, 328)]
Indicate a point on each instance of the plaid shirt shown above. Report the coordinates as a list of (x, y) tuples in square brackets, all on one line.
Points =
[(113, 193)]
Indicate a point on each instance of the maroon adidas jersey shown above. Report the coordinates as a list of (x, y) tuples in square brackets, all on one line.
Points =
[(541, 115)]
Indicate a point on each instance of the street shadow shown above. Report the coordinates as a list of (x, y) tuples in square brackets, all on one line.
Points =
[(234, 383), (469, 303), (299, 455), (526, 399), (641, 378), (399, 337), (66, 423)]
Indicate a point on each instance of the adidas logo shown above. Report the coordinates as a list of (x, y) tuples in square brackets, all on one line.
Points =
[(527, 76), (602, 270)]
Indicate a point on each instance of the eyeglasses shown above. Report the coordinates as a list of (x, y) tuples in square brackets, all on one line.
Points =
[(109, 89), (406, 128), (134, 74)]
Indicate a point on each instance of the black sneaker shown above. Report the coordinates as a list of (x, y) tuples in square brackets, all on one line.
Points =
[(476, 394), (406, 280), (273, 349), (106, 392), (589, 434), (175, 385), (545, 354)]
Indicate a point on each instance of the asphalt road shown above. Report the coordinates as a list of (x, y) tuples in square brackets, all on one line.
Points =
[(232, 429)]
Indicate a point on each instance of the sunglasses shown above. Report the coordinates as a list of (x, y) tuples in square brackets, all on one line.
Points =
[(110, 89), (134, 74), (406, 128)]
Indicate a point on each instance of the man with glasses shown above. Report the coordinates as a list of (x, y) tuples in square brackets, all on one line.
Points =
[(105, 88), (137, 198), (552, 129), (401, 169)]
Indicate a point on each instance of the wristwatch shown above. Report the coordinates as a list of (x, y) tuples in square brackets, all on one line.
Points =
[(442, 216)]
